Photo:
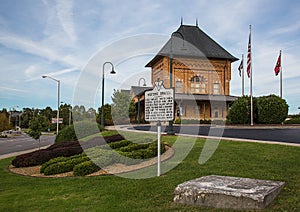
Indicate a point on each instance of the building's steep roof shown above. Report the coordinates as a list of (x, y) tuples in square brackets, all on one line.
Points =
[(137, 90), (195, 44)]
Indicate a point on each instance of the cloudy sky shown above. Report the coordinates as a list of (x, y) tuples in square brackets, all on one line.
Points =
[(65, 39)]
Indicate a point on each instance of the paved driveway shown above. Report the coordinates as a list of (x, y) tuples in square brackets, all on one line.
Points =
[(277, 134), (23, 142)]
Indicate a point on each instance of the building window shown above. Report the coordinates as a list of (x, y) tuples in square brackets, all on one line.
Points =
[(198, 85), (216, 88), (216, 112), (179, 87)]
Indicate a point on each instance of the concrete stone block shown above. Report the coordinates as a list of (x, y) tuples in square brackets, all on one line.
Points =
[(228, 192)]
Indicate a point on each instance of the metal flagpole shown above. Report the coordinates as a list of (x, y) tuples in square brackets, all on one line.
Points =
[(280, 69), (243, 81), (251, 94)]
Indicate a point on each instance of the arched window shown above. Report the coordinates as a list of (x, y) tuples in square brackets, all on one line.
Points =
[(198, 85)]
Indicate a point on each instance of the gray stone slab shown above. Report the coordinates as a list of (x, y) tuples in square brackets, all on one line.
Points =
[(227, 192)]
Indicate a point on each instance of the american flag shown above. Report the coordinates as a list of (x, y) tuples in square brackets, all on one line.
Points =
[(249, 56)]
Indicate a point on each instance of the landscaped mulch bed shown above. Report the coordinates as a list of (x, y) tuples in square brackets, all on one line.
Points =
[(112, 169)]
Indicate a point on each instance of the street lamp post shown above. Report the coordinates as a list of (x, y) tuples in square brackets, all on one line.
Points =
[(9, 117), (139, 103), (112, 72), (171, 131), (58, 97)]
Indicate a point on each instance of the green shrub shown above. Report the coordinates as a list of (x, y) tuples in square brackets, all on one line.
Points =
[(57, 160), (272, 109), (119, 144), (293, 120), (240, 111), (153, 147), (192, 121), (86, 128), (177, 121), (52, 161), (266, 110), (64, 166), (133, 147), (85, 168), (124, 158), (66, 134)]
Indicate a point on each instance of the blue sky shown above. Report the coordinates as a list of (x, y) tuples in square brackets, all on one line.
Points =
[(61, 38)]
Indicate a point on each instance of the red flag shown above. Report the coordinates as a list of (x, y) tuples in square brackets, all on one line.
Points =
[(249, 57), (278, 65)]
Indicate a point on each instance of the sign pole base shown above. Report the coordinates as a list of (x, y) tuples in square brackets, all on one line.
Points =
[(158, 147)]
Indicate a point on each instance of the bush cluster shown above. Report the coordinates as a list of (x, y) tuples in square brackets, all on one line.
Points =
[(192, 121), (85, 168), (64, 166), (68, 156), (133, 147), (293, 120), (119, 144), (127, 155), (61, 149), (66, 134), (41, 156), (52, 161), (271, 110), (83, 129), (86, 128), (266, 110), (57, 160)]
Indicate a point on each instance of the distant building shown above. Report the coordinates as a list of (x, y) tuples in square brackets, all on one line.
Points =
[(201, 74)]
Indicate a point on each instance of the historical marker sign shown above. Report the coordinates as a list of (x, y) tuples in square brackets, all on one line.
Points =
[(159, 103)]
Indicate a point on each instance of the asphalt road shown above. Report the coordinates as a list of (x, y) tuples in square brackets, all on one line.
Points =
[(23, 142), (288, 135)]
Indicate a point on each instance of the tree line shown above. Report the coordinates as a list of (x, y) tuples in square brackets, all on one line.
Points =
[(121, 108)]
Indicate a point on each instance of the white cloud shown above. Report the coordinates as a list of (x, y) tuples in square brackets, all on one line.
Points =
[(65, 16), (2, 88), (31, 71)]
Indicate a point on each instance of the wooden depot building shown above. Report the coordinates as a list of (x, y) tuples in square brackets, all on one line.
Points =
[(200, 74)]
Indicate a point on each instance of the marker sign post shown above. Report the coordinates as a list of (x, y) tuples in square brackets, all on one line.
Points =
[(159, 106)]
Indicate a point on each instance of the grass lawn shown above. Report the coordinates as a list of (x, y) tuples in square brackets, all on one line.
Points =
[(113, 193)]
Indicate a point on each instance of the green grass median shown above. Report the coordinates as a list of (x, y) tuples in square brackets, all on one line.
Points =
[(113, 193)]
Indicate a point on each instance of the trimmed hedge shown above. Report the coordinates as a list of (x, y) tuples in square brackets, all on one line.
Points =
[(119, 144), (293, 120), (85, 168), (57, 160), (134, 146), (192, 121), (61, 149), (64, 166), (52, 161), (41, 156)]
